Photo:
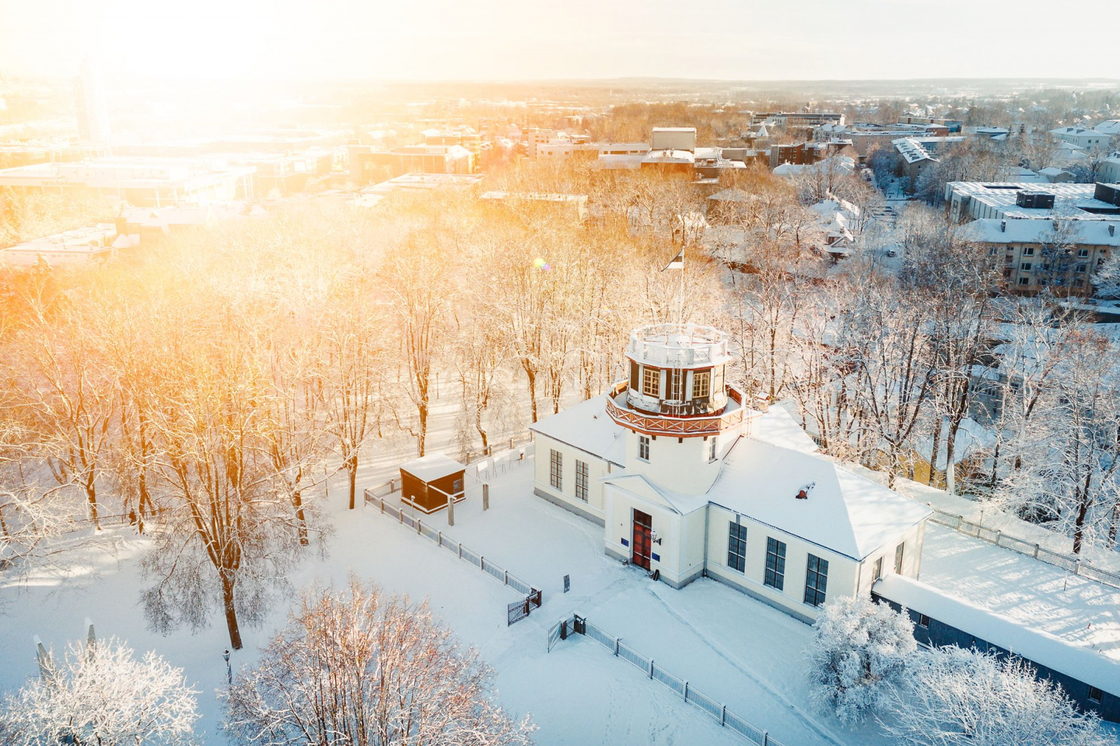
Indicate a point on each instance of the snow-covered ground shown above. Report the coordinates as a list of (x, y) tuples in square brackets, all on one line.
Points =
[(727, 645)]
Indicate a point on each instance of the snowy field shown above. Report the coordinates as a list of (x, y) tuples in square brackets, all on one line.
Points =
[(728, 646)]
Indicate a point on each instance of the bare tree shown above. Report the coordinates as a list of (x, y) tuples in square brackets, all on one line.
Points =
[(350, 373), (228, 539), (360, 668), (99, 693)]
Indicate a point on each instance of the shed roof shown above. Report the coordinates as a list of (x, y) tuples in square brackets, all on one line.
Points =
[(433, 467), (1033, 644)]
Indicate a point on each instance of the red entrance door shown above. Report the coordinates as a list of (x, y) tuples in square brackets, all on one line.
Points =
[(643, 524)]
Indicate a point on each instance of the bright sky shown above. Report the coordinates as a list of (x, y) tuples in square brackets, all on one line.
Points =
[(529, 39)]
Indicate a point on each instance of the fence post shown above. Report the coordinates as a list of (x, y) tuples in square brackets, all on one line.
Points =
[(400, 516), (686, 691), (616, 646), (651, 668), (460, 550), (486, 497), (418, 526), (381, 503), (481, 563), (506, 578), (723, 714), (1036, 551), (439, 538), (765, 738)]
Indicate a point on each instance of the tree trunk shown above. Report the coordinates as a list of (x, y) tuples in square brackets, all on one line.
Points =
[(1082, 511), (532, 392), (352, 471), (91, 495), (422, 438), (931, 481), (301, 521), (231, 613)]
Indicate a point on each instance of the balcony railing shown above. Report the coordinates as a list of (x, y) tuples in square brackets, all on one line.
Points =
[(681, 427)]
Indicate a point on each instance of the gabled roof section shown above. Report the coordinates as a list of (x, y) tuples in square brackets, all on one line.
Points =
[(587, 426), (638, 484), (844, 512)]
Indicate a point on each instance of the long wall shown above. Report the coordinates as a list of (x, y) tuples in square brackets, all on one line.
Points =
[(934, 633)]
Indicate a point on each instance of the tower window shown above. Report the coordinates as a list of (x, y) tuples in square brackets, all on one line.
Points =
[(676, 385), (643, 447), (651, 382), (701, 384), (878, 571), (712, 449), (898, 554)]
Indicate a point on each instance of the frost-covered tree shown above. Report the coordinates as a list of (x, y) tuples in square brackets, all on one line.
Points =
[(963, 697), (361, 668), (100, 693), (859, 654)]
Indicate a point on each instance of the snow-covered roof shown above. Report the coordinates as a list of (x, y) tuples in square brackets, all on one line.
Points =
[(778, 427), (669, 156), (639, 484), (1080, 232), (1035, 645), (846, 513), (911, 150), (587, 426), (430, 468), (1109, 127), (1052, 171)]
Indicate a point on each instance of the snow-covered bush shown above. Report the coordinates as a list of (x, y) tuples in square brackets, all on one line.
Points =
[(101, 694), (961, 697), (859, 653), (362, 668)]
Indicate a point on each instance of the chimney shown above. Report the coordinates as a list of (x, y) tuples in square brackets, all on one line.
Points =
[(1003, 226)]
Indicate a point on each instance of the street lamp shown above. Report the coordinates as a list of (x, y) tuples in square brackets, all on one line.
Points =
[(229, 668)]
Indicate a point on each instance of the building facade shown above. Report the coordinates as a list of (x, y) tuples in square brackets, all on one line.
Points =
[(688, 481)]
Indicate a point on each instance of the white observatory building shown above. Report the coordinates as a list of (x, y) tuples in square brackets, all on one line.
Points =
[(687, 481)]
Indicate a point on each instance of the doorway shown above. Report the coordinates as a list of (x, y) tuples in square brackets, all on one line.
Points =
[(643, 527)]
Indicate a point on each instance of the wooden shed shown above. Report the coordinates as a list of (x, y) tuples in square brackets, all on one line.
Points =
[(426, 482)]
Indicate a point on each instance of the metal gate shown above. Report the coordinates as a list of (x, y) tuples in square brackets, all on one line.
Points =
[(519, 610)]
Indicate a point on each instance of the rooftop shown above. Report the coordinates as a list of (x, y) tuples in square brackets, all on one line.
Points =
[(845, 512), (1080, 232), (1070, 200), (432, 467), (679, 346)]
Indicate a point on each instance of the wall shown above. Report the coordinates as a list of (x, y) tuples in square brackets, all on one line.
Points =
[(677, 464), (565, 496), (911, 558), (677, 556), (939, 634), (842, 571)]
